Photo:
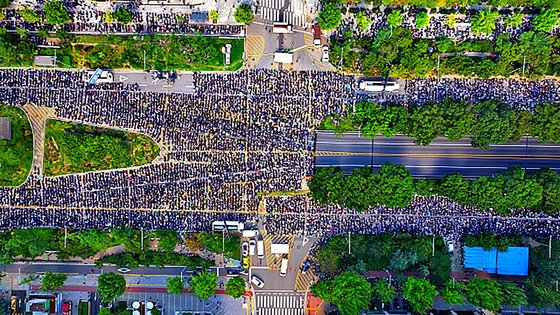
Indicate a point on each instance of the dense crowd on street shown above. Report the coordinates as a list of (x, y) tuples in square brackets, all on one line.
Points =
[(427, 215), (86, 18), (238, 135), (438, 26)]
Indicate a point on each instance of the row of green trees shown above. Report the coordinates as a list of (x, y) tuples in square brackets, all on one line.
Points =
[(56, 14), (395, 50), (451, 3), (393, 186), (30, 243), (486, 122), (205, 284), (397, 252), (353, 294)]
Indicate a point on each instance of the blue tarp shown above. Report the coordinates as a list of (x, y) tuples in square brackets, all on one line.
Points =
[(514, 262)]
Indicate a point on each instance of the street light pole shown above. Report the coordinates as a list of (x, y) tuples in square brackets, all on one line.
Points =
[(524, 58), (349, 234)]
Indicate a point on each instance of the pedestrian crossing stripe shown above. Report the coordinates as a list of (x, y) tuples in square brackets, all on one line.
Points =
[(273, 261), (254, 49), (303, 281)]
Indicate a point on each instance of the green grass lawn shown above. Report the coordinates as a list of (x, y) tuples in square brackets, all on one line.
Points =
[(16, 155), (75, 148)]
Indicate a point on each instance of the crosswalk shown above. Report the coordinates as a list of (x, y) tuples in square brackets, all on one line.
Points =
[(291, 11), (280, 304), (304, 280)]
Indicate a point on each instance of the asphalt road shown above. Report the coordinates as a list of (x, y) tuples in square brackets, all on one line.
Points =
[(76, 268), (439, 158)]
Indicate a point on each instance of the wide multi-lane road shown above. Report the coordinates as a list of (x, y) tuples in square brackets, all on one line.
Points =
[(439, 158)]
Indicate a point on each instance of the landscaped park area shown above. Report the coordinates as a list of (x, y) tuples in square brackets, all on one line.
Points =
[(161, 52), (75, 148), (16, 154)]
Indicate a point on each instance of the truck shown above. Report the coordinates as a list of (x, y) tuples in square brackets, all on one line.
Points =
[(317, 35), (260, 248)]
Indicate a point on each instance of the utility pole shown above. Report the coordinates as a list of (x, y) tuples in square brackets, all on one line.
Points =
[(433, 245), (142, 239), (550, 247), (349, 233), (524, 58), (223, 240)]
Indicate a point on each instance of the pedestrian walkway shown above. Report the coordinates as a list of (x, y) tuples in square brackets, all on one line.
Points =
[(304, 280), (254, 49), (37, 118)]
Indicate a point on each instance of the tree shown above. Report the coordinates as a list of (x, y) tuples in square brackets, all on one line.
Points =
[(108, 17), (484, 22), (546, 123), (422, 20), (451, 20), (175, 285), (329, 17), (395, 19), (243, 14), (104, 311), (362, 21), (236, 287), (123, 15), (514, 296), (4, 3), (321, 289), (550, 182), (110, 286), (213, 15), (541, 294), (439, 267), (30, 15), (514, 20), (485, 293), (395, 185), (493, 124), (384, 291), (458, 117), (372, 119), (419, 293), (204, 284), (426, 122), (351, 293), (452, 294), (403, 260), (55, 13), (51, 281), (546, 20)]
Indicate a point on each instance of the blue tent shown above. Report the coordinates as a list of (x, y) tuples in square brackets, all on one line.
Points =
[(514, 262)]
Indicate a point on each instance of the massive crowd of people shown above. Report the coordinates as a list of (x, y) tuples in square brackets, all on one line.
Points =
[(238, 135), (438, 26), (86, 18)]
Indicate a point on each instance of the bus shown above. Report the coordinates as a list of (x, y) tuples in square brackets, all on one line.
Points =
[(231, 225), (371, 85), (281, 28)]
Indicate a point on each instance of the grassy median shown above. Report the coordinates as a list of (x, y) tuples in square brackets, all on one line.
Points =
[(16, 155)]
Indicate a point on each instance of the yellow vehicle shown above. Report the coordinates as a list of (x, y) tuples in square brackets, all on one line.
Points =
[(246, 262)]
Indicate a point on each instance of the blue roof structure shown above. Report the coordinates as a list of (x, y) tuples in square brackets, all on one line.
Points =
[(514, 262)]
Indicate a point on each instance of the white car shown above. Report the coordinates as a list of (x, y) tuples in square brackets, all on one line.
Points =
[(123, 270), (257, 281), (325, 55), (252, 246), (245, 249)]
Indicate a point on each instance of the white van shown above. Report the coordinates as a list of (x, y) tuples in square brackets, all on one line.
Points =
[(260, 249), (284, 267)]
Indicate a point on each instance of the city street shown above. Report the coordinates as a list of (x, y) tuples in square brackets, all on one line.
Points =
[(439, 158)]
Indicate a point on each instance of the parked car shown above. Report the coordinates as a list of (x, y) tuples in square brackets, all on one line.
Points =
[(245, 249), (252, 246), (246, 262), (325, 55), (257, 281)]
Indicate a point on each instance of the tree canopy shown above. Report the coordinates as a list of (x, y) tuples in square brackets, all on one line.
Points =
[(175, 285), (421, 20), (350, 292), (236, 287), (110, 286), (55, 13), (243, 14), (384, 291), (419, 293), (204, 284), (485, 293), (30, 15), (51, 281), (395, 18), (546, 20), (330, 16), (452, 293), (484, 22), (122, 15)]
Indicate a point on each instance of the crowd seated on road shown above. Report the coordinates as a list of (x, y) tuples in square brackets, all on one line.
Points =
[(239, 134)]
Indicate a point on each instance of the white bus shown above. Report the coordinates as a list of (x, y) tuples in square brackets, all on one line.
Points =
[(281, 28), (231, 225), (378, 86), (283, 57)]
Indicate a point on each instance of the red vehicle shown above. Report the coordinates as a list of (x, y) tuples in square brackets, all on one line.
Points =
[(67, 308), (316, 35)]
